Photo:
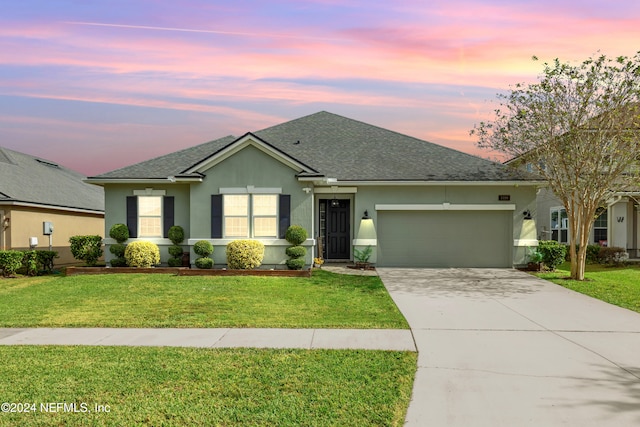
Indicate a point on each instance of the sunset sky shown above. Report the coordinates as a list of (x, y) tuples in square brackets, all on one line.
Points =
[(97, 85)]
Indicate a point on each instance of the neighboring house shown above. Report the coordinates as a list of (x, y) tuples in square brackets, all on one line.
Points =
[(348, 183), (34, 191), (617, 225)]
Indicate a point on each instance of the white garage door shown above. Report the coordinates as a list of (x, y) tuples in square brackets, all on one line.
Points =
[(445, 238)]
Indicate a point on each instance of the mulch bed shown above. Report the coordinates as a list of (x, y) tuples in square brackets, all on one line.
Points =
[(185, 271)]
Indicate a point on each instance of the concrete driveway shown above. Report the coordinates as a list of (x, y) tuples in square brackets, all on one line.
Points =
[(502, 348)]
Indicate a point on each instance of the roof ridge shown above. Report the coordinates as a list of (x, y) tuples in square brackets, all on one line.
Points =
[(5, 157)]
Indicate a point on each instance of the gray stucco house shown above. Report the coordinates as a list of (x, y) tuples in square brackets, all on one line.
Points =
[(348, 183)]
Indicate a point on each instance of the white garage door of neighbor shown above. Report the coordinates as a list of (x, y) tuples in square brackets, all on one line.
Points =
[(445, 238)]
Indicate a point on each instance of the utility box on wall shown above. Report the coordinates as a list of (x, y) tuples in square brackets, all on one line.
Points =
[(47, 228)]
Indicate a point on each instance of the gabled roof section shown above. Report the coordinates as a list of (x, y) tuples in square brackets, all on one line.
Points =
[(326, 145), (32, 180), (244, 141), (169, 165)]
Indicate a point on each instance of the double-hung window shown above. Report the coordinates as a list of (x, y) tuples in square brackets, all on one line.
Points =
[(150, 216), (600, 227), (559, 225), (250, 215)]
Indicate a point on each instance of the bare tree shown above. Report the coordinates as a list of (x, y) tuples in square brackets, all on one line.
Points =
[(578, 127)]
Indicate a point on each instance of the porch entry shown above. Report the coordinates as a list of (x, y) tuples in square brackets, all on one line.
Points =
[(335, 229)]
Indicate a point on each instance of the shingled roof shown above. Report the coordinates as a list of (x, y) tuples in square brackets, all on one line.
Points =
[(345, 149), (29, 179)]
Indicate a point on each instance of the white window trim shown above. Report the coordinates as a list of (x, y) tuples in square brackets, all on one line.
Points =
[(250, 189), (445, 207), (149, 192), (250, 217), (560, 228), (161, 216)]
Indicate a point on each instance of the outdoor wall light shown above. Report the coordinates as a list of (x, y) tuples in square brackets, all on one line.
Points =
[(527, 214), (6, 222), (366, 215)]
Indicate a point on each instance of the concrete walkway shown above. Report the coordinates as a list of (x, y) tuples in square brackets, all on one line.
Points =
[(503, 348), (366, 339)]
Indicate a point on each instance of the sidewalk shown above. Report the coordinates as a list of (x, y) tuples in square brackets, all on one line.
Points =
[(365, 339)]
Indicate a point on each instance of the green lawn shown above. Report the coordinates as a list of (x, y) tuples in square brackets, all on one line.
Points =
[(326, 300), (213, 387), (616, 285)]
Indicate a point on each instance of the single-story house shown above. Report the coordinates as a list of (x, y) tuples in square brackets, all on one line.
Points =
[(349, 184), (44, 203)]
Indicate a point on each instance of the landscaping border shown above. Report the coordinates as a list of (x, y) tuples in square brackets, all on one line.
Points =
[(185, 271)]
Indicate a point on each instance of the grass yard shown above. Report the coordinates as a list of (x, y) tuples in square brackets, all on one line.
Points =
[(213, 387), (326, 300), (616, 285)]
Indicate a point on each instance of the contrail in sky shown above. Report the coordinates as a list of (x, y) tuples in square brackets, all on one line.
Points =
[(189, 30)]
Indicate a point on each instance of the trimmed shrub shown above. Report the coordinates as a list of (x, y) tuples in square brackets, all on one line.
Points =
[(176, 234), (45, 260), (612, 255), (296, 251), (10, 262), (553, 253), (203, 248), (296, 263), (118, 262), (244, 254), (119, 232), (204, 262), (118, 250), (142, 254), (174, 262), (176, 251), (86, 248), (296, 235), (30, 262)]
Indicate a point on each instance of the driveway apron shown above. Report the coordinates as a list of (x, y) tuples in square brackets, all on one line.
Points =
[(498, 347)]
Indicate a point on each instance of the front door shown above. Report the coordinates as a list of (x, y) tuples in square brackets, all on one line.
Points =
[(337, 230)]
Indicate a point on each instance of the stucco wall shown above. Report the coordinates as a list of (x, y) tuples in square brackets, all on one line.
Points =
[(248, 167), (524, 198), (26, 222)]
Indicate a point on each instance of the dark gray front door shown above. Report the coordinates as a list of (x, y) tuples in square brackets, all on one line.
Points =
[(338, 232)]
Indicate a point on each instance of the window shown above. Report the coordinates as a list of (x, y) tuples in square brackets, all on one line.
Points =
[(150, 216), (254, 215), (559, 225), (236, 215), (600, 227), (265, 215)]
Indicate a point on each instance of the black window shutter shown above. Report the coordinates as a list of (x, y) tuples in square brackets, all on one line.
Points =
[(216, 216), (168, 214), (132, 215), (284, 221)]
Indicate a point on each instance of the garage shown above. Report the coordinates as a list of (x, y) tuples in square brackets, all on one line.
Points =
[(445, 238)]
